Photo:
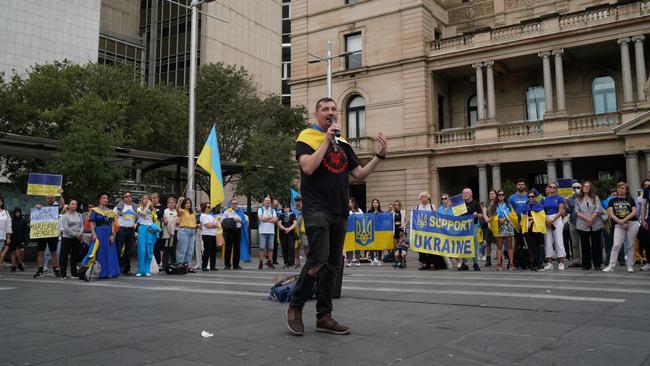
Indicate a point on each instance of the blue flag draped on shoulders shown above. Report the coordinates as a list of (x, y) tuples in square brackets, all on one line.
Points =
[(244, 252), (294, 194), (449, 236), (370, 231), (210, 160)]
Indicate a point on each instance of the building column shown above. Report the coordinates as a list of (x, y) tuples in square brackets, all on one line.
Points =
[(640, 67), (496, 176), (548, 83), (482, 183), (647, 164), (435, 185), (626, 70), (480, 97), (559, 81), (491, 101), (551, 170), (632, 170), (567, 168)]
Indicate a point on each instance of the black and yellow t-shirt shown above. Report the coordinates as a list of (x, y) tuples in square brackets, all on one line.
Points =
[(622, 207)]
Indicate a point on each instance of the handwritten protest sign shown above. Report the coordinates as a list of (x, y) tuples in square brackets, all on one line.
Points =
[(44, 222)]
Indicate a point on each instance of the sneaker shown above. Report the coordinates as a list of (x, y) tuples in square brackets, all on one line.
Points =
[(329, 325), (13, 269), (358, 264), (63, 277), (21, 267), (608, 269), (646, 267), (261, 265), (395, 265), (348, 264), (476, 267), (560, 267), (138, 274), (548, 266), (147, 274), (630, 269), (57, 273), (488, 262), (378, 262), (465, 267), (459, 267), (38, 274), (372, 262), (294, 321)]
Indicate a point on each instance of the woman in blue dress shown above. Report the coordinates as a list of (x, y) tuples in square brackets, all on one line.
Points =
[(101, 222)]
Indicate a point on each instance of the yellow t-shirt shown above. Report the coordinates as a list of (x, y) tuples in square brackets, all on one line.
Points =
[(186, 220)]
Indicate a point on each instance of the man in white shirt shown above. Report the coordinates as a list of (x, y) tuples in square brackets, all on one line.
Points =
[(267, 218), (125, 236)]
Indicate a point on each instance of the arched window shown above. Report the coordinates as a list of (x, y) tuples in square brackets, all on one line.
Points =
[(603, 91), (356, 121), (535, 103), (472, 111)]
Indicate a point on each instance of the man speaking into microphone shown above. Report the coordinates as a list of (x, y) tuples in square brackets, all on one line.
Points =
[(325, 162)]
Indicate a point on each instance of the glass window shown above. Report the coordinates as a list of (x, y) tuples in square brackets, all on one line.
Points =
[(286, 70), (535, 103), (350, 2), (472, 111), (353, 44), (603, 90), (356, 117)]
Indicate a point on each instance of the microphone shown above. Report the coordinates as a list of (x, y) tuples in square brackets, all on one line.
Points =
[(335, 142)]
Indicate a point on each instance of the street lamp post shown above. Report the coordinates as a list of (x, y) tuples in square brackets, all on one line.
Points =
[(328, 59)]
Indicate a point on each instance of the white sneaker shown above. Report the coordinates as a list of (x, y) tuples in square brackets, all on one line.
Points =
[(358, 264), (560, 267), (608, 269), (548, 266), (646, 267), (630, 269), (378, 262), (138, 275), (372, 262), (348, 264)]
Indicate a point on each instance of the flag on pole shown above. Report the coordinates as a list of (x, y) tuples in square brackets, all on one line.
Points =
[(294, 194), (210, 161)]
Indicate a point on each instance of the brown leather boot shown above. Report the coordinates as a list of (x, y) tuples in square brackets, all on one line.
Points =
[(294, 321), (327, 324)]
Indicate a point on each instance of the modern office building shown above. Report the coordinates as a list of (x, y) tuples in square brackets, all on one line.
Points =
[(474, 93), (41, 31)]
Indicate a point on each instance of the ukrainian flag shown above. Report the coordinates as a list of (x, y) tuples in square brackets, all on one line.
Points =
[(458, 206), (44, 184), (369, 231), (210, 161)]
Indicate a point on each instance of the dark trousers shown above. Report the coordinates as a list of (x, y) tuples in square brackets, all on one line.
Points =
[(275, 247), (288, 248), (209, 252), (325, 233), (232, 239), (644, 243), (69, 247), (535, 242), (157, 249), (125, 239), (169, 250), (591, 247)]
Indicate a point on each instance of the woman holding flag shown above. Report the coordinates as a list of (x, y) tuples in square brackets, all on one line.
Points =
[(102, 225), (533, 227), (506, 230)]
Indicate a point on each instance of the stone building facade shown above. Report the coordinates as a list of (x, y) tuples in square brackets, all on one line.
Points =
[(474, 93)]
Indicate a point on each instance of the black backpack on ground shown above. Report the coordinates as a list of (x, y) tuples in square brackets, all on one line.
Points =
[(175, 269)]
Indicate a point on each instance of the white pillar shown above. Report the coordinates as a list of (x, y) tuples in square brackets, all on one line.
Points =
[(647, 164), (559, 80), (551, 170), (482, 183), (491, 101), (480, 97), (496, 176), (639, 62), (435, 185), (632, 170), (548, 83), (567, 168), (626, 70)]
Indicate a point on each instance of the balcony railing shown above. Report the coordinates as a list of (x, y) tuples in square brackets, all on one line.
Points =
[(588, 17), (515, 31), (454, 136), (451, 42), (520, 130), (594, 122)]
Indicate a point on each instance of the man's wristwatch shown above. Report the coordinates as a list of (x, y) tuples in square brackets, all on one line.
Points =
[(381, 157)]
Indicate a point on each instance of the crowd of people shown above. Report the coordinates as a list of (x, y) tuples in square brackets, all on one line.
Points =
[(548, 230), (535, 231)]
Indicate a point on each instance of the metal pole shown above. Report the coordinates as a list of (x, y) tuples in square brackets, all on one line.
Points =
[(190, 128), (329, 69)]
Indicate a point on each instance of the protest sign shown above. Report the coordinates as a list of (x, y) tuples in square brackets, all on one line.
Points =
[(44, 222), (369, 232), (450, 236)]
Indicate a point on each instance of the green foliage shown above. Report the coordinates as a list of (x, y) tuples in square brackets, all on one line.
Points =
[(258, 132), (508, 187), (90, 109), (602, 187)]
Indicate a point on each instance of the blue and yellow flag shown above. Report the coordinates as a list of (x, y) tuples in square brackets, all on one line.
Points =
[(294, 194), (314, 137), (539, 219), (564, 187), (210, 160), (370, 232), (449, 236), (44, 184), (458, 206)]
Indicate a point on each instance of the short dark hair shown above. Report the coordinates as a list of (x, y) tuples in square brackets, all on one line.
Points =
[(298, 198), (323, 100), (520, 180), (99, 196)]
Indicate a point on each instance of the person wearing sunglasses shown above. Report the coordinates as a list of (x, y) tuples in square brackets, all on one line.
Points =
[(575, 254), (506, 231), (125, 236), (534, 228), (590, 226), (554, 206), (622, 211)]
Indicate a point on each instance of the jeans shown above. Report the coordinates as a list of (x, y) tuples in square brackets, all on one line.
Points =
[(592, 251), (185, 245), (325, 233), (621, 235), (576, 246)]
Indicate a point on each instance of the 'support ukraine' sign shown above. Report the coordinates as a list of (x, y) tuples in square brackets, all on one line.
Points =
[(449, 236), (44, 222)]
